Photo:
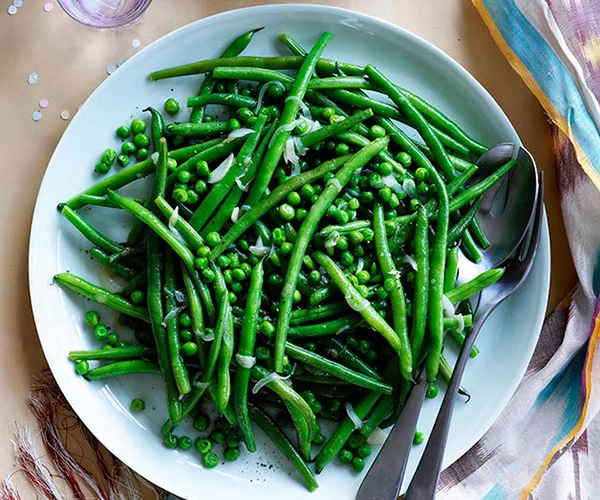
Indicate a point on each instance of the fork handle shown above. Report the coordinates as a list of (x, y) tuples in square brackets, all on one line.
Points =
[(384, 479), (424, 482)]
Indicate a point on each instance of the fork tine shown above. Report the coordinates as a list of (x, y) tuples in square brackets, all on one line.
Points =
[(536, 224)]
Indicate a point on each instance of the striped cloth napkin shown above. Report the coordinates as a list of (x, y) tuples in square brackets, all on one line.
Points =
[(546, 444)]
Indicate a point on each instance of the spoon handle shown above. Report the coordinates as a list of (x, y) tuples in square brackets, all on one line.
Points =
[(384, 479), (424, 483)]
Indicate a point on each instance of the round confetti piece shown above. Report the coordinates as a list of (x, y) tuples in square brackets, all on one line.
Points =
[(12, 10), (43, 103), (36, 116), (111, 69), (48, 7), (65, 115), (135, 43), (32, 78), (18, 3)]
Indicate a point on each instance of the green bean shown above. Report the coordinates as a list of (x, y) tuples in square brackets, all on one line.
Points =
[(446, 373), (225, 356), (185, 153), (322, 380), (235, 195), (222, 188), (481, 187), (398, 301), (234, 49), (356, 225), (323, 133), (156, 310), (337, 350), (157, 127), (335, 369), (191, 237), (100, 201), (458, 321), (278, 194), (275, 434), (137, 283), (380, 412), (116, 353), (463, 223), (466, 290), (421, 289), (451, 271), (245, 350), (302, 316), (302, 431), (114, 267), (333, 327), (172, 323), (324, 66), (192, 399), (116, 181), (459, 338), (360, 304), (89, 231), (338, 439), (309, 225), (208, 129), (290, 110), (101, 295), (470, 248), (119, 368), (234, 100), (359, 140), (158, 189), (214, 153)]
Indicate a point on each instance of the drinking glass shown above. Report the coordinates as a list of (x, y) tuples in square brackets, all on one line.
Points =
[(105, 13)]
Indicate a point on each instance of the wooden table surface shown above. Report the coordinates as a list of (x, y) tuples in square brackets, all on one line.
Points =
[(71, 61)]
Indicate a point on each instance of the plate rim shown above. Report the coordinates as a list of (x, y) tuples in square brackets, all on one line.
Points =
[(36, 295)]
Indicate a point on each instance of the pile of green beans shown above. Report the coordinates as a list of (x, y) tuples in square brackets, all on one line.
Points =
[(296, 260)]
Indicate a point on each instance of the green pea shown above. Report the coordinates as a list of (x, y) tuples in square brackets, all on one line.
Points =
[(267, 328), (128, 148), (217, 437), (385, 168), (238, 274), (341, 149), (297, 297), (227, 276), (301, 214), (212, 239), (234, 124), (180, 195), (237, 287), (137, 296), (184, 442), (364, 451), (82, 367), (356, 440), (185, 335), (166, 429), (294, 198), (432, 391), (193, 198), (184, 177), (112, 339), (100, 332), (366, 197), (377, 131), (123, 160), (363, 290), (327, 112), (171, 441), (142, 154), (314, 277), (307, 191), (364, 346), (394, 201), (211, 460), (171, 106), (358, 464), (274, 112), (422, 188), (346, 259), (223, 261), (275, 280), (345, 456), (286, 212), (208, 275), (342, 243), (189, 349), (232, 440), (108, 156), (102, 168), (244, 114), (201, 423), (138, 126), (201, 263), (171, 164), (318, 439), (201, 187), (141, 140), (204, 251), (123, 132), (231, 454), (419, 437), (286, 248), (404, 159), (185, 320), (262, 353), (91, 318), (278, 236), (203, 445)]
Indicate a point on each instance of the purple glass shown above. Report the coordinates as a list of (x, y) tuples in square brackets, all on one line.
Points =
[(105, 13)]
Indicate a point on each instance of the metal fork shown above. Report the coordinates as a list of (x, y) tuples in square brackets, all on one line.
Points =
[(424, 482)]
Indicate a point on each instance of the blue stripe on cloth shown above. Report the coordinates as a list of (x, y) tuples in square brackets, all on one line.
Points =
[(550, 73), (564, 390), (498, 492)]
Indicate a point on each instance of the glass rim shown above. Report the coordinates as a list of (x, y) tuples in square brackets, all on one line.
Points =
[(114, 22)]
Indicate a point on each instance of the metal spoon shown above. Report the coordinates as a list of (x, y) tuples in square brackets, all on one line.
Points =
[(424, 483), (384, 479)]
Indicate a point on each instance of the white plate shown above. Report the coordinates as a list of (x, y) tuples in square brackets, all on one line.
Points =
[(506, 345)]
